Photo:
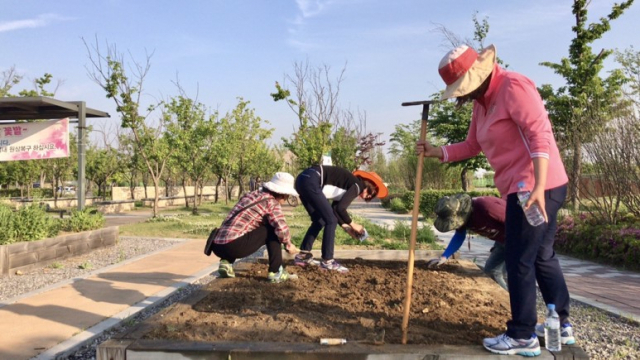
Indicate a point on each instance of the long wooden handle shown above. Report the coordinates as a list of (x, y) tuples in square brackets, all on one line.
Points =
[(414, 229)]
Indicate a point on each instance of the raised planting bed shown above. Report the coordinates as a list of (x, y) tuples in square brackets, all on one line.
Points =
[(26, 255), (246, 317)]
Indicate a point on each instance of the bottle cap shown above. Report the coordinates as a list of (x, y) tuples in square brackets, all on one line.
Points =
[(551, 306), (520, 184)]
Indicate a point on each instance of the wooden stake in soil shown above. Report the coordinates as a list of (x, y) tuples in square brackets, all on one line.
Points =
[(414, 220)]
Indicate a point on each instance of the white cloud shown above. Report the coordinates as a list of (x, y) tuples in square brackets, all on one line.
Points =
[(311, 8), (39, 21)]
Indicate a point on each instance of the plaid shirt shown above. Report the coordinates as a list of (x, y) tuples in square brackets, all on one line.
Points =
[(253, 217)]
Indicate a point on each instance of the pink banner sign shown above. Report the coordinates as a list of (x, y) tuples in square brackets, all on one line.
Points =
[(34, 140)]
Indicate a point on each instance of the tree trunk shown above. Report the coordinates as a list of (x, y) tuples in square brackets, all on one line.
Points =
[(55, 192), (463, 179), (217, 186), (184, 191), (240, 187), (156, 198), (228, 189), (200, 184), (576, 172)]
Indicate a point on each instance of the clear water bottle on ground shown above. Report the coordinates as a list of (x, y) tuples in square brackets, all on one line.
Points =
[(533, 214), (552, 329)]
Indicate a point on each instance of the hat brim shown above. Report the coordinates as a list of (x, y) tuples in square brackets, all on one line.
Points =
[(376, 179), (446, 224), (280, 189), (477, 74)]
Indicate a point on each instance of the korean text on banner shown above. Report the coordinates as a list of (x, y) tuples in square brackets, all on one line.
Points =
[(34, 140)]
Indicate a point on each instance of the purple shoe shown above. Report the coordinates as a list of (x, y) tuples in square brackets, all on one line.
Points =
[(333, 265)]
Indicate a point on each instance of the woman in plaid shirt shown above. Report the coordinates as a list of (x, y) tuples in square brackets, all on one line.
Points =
[(257, 220)]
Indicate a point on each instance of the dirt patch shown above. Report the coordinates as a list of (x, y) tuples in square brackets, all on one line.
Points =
[(455, 305)]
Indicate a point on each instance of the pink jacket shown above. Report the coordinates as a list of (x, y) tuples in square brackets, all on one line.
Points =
[(511, 126)]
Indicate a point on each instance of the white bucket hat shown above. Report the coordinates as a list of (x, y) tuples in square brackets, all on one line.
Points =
[(464, 70), (281, 183)]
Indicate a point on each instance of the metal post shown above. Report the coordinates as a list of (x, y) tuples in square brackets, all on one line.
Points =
[(82, 126)]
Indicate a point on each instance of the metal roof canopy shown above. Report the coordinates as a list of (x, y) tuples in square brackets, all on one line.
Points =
[(40, 107)]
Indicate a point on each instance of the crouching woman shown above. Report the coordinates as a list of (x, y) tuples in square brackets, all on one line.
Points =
[(257, 220)]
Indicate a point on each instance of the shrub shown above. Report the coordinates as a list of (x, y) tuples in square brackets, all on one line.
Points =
[(83, 220), (7, 232), (397, 205), (583, 237), (386, 202), (429, 199), (33, 223)]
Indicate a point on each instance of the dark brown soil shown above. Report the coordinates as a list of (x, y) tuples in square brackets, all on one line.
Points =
[(454, 305)]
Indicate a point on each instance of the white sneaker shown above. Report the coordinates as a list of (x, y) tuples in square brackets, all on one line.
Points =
[(333, 265), (505, 345)]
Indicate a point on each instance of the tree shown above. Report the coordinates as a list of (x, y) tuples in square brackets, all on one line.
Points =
[(188, 134), (451, 125), (131, 163), (61, 169), (110, 73), (581, 109), (322, 125), (102, 164), (246, 137), (8, 79), (630, 61)]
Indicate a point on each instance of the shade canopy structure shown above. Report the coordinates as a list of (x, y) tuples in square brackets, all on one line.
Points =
[(40, 107)]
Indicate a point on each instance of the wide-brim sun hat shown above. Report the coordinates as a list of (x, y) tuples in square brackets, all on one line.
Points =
[(464, 70), (452, 211), (376, 180), (281, 183)]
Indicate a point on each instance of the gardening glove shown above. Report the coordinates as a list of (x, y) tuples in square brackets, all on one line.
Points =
[(291, 249), (434, 263)]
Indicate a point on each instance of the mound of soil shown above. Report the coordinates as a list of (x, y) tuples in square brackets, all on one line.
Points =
[(453, 305)]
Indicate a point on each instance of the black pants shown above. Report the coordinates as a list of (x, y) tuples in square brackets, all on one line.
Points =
[(249, 243), (529, 258), (318, 207)]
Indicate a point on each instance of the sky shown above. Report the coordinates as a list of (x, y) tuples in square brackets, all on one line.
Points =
[(222, 50)]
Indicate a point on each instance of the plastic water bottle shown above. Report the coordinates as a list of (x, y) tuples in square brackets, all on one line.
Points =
[(533, 214), (552, 329), (364, 235)]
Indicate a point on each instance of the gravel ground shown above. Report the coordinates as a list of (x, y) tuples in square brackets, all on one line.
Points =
[(602, 335)]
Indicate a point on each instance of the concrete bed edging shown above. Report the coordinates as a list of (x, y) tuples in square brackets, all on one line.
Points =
[(27, 255)]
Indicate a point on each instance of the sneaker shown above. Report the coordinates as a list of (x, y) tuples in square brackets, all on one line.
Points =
[(225, 269), (505, 345), (303, 259), (280, 276), (566, 335), (333, 265)]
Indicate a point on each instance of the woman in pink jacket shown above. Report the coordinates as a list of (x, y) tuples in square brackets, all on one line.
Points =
[(510, 125)]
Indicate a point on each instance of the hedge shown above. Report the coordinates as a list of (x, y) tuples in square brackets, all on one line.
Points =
[(617, 245), (429, 199)]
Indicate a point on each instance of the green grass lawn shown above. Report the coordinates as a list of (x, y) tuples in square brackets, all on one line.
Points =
[(180, 223)]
